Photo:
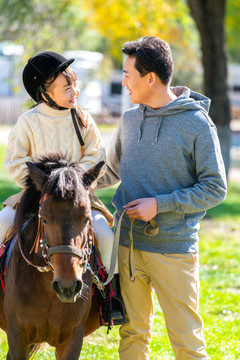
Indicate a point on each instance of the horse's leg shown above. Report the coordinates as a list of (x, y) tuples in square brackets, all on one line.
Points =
[(71, 348), (18, 349)]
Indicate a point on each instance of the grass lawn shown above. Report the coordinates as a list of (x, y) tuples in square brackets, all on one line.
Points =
[(219, 292)]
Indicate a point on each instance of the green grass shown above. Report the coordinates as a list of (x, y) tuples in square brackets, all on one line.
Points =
[(229, 209), (219, 292), (7, 187)]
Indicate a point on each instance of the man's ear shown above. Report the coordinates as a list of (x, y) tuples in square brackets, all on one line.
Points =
[(151, 78)]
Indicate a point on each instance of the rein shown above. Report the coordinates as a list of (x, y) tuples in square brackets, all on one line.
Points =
[(39, 268), (47, 251), (151, 228)]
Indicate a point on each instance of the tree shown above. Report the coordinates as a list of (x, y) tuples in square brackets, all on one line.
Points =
[(40, 25), (233, 30), (96, 25), (122, 20), (170, 20), (209, 17)]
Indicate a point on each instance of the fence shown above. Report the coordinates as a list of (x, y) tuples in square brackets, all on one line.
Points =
[(10, 109)]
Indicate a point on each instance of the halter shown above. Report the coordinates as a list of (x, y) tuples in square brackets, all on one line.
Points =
[(48, 251)]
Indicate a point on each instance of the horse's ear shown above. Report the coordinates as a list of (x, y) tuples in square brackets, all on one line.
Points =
[(37, 175), (92, 174)]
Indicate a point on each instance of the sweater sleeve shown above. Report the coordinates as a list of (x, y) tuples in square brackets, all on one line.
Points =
[(211, 186), (112, 174), (18, 152), (94, 150)]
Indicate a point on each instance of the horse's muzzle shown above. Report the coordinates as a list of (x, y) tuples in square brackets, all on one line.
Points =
[(67, 293)]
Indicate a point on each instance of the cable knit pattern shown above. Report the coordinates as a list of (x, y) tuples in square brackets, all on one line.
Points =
[(44, 129)]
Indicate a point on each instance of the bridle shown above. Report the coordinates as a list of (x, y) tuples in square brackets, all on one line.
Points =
[(47, 251)]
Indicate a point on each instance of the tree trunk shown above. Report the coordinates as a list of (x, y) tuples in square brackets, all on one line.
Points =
[(209, 18)]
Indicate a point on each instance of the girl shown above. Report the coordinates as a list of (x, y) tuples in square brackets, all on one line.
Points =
[(49, 126)]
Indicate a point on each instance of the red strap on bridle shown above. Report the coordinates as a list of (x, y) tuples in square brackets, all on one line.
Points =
[(39, 227), (1, 276), (38, 235)]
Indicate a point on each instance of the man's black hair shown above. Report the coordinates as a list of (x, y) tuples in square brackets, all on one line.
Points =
[(152, 54)]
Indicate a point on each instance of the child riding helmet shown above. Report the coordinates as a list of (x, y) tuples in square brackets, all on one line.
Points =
[(40, 68)]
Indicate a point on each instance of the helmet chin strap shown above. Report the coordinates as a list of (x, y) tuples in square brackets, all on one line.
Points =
[(51, 102), (73, 112)]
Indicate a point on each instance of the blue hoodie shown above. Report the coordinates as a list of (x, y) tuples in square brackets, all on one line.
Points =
[(173, 154)]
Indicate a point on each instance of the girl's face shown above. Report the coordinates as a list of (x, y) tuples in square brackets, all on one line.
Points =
[(64, 92)]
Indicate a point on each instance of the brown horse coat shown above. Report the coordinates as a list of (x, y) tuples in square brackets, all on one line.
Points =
[(54, 307)]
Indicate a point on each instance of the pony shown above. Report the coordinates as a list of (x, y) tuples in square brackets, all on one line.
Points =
[(48, 285)]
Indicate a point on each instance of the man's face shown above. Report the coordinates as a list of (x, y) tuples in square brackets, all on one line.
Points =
[(137, 85)]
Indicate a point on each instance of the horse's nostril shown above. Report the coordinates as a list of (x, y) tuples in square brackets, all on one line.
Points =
[(55, 286), (66, 291), (78, 286)]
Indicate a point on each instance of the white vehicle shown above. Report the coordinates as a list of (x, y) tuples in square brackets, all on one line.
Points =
[(10, 60), (234, 84), (112, 93), (87, 66)]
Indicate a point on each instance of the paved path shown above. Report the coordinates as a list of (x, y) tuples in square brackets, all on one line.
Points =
[(4, 131)]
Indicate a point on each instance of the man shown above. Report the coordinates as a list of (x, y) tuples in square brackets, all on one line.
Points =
[(167, 156)]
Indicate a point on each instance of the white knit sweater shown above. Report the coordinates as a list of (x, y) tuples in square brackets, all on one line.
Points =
[(43, 129)]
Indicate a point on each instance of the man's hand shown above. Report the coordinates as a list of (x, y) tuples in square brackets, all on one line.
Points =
[(143, 209)]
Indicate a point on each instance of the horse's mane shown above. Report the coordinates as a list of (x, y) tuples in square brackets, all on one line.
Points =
[(64, 182)]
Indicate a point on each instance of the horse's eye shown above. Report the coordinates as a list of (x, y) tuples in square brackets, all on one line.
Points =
[(86, 220), (44, 221)]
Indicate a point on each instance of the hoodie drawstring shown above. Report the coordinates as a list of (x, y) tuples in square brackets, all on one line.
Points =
[(141, 125), (159, 128)]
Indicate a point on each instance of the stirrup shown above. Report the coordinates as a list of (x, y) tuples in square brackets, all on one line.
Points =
[(118, 311)]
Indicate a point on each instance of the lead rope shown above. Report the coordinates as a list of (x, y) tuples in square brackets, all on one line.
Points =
[(132, 270), (147, 231), (151, 228)]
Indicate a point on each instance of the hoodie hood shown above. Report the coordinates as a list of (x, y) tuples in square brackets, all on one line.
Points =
[(186, 100)]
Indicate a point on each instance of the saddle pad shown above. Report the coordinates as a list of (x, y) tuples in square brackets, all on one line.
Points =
[(2, 249), (5, 253)]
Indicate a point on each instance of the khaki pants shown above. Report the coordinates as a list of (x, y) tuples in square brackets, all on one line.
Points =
[(175, 279)]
